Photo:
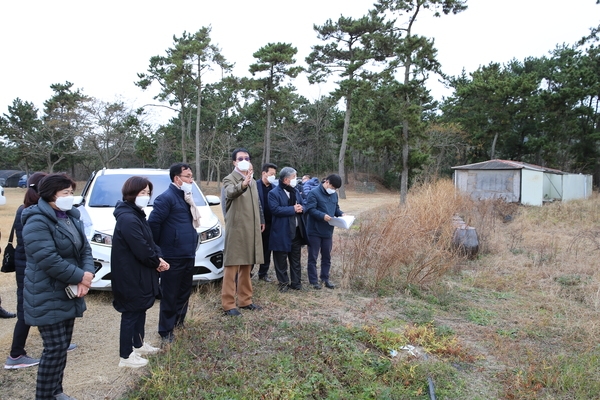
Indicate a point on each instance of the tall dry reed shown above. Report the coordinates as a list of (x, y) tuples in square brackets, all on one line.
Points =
[(397, 246)]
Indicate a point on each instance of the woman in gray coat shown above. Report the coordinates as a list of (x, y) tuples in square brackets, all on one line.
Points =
[(58, 255)]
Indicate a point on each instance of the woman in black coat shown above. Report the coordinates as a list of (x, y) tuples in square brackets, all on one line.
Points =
[(135, 263)]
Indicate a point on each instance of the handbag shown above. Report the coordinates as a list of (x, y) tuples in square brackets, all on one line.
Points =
[(8, 261)]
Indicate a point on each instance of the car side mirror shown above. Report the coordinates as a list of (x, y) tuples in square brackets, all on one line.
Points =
[(213, 200), (78, 200)]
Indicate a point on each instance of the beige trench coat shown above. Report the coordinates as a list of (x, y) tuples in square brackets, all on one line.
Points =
[(243, 216)]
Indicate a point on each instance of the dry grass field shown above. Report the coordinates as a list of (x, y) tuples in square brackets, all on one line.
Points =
[(524, 312)]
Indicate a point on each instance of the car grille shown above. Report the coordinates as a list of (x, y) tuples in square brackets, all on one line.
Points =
[(201, 270)]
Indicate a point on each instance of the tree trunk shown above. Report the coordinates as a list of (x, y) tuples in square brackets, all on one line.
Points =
[(342, 156), (198, 172), (182, 121), (404, 176), (267, 147), (493, 150)]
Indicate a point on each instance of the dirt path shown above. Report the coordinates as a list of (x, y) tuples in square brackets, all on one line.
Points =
[(92, 372)]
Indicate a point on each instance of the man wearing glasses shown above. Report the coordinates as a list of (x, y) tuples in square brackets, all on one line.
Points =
[(172, 223), (244, 223)]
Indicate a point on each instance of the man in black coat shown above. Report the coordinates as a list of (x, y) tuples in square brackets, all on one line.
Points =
[(265, 184), (173, 230)]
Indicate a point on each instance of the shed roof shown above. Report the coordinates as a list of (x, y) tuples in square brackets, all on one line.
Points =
[(507, 164)]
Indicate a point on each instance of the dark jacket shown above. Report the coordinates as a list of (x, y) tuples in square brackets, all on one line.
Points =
[(283, 224), (263, 196), (133, 260), (20, 259), (171, 224), (319, 203), (53, 263), (309, 185)]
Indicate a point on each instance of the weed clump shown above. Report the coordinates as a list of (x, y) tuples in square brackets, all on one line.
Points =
[(398, 246)]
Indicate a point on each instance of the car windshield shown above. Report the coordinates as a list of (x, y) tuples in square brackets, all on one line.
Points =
[(107, 190)]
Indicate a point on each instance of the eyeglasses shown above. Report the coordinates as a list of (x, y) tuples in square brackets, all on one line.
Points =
[(186, 176), (243, 158)]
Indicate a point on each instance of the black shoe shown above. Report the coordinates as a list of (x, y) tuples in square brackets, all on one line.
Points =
[(234, 312), (252, 307), (283, 288), (265, 278), (6, 314), (328, 285), (315, 286), (296, 287)]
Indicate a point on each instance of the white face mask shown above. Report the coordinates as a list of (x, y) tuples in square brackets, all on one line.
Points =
[(330, 191), (293, 182), (142, 201), (64, 203), (271, 179), (186, 187), (243, 165)]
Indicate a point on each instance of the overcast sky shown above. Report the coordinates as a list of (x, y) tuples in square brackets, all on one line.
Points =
[(100, 46)]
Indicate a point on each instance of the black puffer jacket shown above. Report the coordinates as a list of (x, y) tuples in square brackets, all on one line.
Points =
[(133, 261), (53, 263), (20, 260)]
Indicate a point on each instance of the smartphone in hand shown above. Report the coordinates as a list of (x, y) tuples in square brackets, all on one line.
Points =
[(71, 291)]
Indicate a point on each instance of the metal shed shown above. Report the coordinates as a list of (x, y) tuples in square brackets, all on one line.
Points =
[(520, 182)]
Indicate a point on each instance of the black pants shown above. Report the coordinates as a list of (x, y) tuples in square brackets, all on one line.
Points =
[(264, 268), (175, 288), (132, 331), (21, 330), (281, 258)]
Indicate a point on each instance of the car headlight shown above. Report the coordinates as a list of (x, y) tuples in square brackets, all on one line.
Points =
[(101, 238), (210, 234)]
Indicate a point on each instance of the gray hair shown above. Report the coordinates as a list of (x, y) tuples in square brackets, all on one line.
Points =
[(286, 172)]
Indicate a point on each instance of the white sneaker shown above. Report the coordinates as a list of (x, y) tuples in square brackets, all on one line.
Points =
[(134, 361), (146, 349)]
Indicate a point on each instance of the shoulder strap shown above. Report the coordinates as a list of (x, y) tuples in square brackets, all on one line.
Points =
[(12, 232)]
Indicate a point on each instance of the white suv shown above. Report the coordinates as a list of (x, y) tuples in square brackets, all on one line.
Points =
[(97, 204), (2, 198)]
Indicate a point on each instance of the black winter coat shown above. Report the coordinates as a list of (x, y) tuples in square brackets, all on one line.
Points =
[(133, 260), (172, 226), (20, 260)]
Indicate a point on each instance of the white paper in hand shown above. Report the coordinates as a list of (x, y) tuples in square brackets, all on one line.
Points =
[(342, 222)]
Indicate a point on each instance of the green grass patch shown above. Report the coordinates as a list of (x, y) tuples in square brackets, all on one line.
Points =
[(480, 316), (239, 359)]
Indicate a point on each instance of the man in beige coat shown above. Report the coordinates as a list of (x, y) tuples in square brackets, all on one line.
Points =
[(243, 242)]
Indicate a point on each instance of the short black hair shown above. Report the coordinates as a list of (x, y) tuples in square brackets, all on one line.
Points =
[(133, 186), (266, 166), (334, 180), (238, 150), (176, 170), (54, 183)]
